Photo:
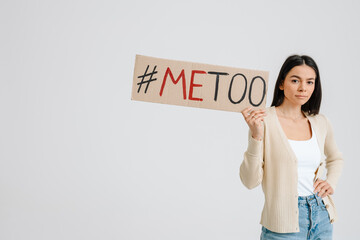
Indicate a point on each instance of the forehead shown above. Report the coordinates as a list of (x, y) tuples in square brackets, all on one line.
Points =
[(302, 71)]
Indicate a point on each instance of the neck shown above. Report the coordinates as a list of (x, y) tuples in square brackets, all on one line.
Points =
[(289, 110)]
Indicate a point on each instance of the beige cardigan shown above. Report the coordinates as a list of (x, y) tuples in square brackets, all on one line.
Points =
[(273, 163)]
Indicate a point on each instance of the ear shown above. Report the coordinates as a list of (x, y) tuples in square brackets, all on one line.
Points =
[(281, 86)]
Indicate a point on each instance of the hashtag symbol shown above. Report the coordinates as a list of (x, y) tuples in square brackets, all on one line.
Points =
[(147, 81)]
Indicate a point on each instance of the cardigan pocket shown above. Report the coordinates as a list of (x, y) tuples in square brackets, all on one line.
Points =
[(330, 206), (322, 205)]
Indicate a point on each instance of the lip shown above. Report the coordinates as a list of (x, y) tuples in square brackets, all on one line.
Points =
[(300, 96)]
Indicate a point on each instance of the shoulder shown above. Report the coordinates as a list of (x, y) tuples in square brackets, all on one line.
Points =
[(320, 118), (321, 122), (270, 110), (270, 113), (270, 116)]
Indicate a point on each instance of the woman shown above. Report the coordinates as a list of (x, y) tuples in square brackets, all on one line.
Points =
[(289, 146)]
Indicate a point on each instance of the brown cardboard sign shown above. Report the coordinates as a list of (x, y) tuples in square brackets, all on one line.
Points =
[(198, 85)]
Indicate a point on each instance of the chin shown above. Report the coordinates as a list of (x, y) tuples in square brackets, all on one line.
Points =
[(300, 102), (297, 101)]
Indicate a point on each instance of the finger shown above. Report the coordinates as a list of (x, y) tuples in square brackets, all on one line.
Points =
[(258, 121), (245, 112), (318, 181), (328, 184), (254, 113), (255, 119), (246, 117), (324, 191), (330, 191), (250, 118), (259, 115), (320, 186), (327, 189), (322, 195)]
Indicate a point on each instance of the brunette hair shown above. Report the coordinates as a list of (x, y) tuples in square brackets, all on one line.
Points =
[(312, 106)]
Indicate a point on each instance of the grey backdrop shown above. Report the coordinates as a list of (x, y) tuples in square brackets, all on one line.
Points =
[(80, 160)]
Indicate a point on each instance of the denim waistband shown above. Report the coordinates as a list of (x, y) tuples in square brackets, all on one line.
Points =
[(311, 199)]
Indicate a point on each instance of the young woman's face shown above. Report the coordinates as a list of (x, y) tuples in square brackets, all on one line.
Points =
[(299, 84)]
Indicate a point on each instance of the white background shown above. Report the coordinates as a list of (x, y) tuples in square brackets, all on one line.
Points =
[(80, 160)]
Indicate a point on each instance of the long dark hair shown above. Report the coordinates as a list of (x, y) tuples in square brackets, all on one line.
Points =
[(312, 106)]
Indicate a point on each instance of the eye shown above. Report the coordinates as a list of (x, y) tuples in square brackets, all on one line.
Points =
[(310, 82), (294, 80)]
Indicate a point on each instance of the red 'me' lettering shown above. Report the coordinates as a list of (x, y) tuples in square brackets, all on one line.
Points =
[(182, 75), (192, 85)]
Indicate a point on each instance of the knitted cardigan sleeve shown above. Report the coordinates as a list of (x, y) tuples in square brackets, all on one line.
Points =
[(251, 168), (334, 159)]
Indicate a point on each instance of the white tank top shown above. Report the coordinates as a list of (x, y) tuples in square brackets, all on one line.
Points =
[(308, 155)]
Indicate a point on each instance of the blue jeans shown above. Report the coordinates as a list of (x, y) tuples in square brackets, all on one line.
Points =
[(314, 222)]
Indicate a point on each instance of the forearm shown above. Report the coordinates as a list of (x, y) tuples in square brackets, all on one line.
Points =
[(251, 169), (334, 158)]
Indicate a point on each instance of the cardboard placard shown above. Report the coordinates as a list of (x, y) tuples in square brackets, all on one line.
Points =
[(198, 85)]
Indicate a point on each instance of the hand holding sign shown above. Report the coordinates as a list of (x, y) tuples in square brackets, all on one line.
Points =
[(254, 120)]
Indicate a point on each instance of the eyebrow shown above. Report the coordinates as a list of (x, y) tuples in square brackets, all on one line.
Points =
[(300, 78)]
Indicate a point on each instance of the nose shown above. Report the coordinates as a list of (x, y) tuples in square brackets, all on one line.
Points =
[(302, 87)]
